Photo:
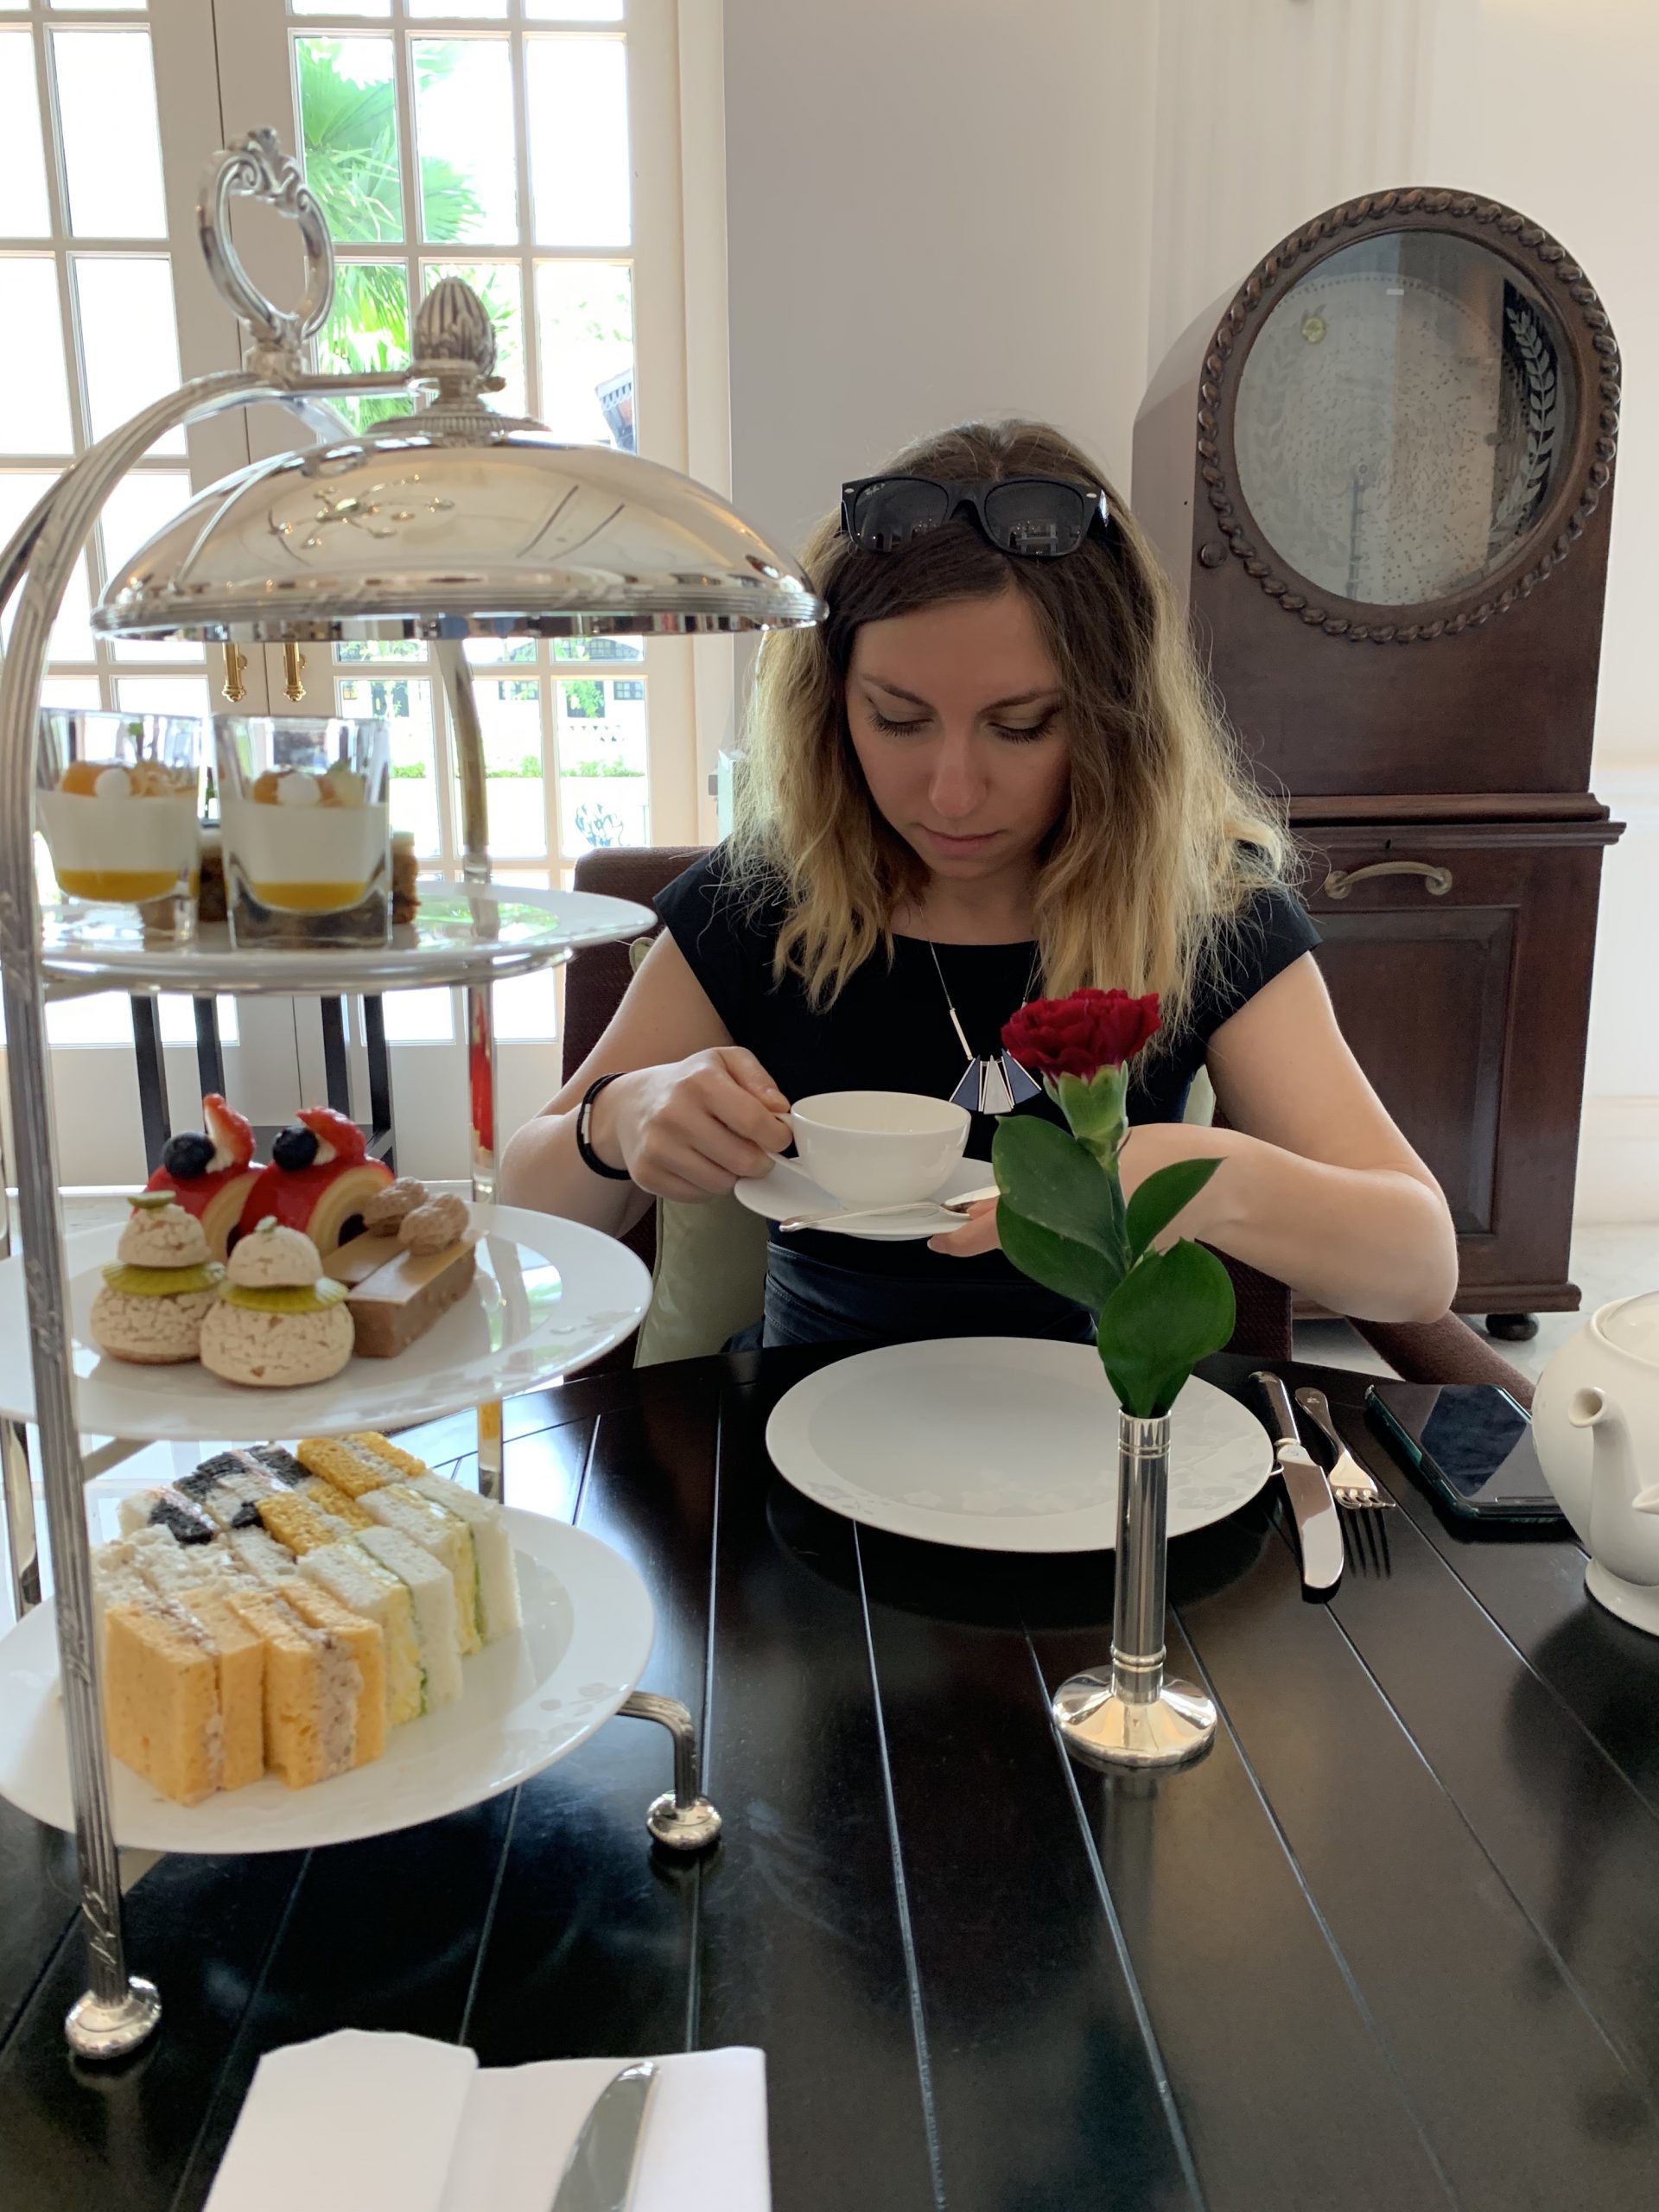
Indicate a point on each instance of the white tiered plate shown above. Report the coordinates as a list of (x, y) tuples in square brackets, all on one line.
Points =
[(1001, 1444), (549, 1294), (486, 933), (528, 1700)]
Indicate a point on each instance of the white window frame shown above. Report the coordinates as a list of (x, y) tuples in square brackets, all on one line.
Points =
[(216, 63)]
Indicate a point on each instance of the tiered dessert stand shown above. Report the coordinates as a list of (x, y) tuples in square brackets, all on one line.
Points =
[(452, 522)]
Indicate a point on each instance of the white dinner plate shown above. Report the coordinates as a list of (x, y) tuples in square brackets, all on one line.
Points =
[(549, 1295), (1002, 1444), (789, 1190), (528, 1700)]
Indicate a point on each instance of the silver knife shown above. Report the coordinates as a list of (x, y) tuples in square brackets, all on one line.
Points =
[(1318, 1530), (599, 2174)]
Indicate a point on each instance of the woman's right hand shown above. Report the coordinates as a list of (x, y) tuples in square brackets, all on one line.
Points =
[(694, 1127)]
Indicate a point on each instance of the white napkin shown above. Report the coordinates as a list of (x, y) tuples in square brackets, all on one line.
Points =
[(356, 2122)]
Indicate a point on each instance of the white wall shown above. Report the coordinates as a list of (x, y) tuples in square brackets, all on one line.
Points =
[(946, 208), (937, 209)]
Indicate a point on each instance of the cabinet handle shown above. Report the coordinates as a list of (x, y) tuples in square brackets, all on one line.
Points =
[(1437, 882)]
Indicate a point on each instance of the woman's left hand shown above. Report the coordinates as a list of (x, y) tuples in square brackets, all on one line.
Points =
[(977, 1234)]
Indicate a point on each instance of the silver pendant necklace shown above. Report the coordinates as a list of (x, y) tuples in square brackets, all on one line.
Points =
[(992, 1083)]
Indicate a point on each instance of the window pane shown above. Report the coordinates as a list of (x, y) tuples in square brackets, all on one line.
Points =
[(419, 1018), (602, 781), (458, 8), (589, 649), (380, 649), (406, 703), (164, 695), (139, 506), (111, 7), (584, 327), (25, 212), (574, 11), (348, 126), (464, 128), (70, 638), (367, 329), (498, 285), (129, 341), (34, 386), (579, 140), (483, 650), (339, 7), (510, 712), (526, 1007), (71, 691), (111, 140)]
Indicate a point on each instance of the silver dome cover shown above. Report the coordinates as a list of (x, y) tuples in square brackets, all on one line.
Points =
[(454, 521)]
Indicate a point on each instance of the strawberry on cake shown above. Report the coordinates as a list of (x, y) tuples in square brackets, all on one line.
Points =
[(211, 1173), (319, 1180)]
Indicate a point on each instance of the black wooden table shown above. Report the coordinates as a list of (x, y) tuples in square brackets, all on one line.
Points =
[(1394, 1943)]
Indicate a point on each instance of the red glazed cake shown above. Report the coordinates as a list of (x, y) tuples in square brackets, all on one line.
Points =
[(319, 1180), (212, 1172)]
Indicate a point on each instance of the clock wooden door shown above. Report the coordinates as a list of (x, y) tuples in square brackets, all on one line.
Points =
[(1381, 473)]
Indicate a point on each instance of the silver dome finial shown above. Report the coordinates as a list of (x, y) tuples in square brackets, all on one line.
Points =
[(453, 324)]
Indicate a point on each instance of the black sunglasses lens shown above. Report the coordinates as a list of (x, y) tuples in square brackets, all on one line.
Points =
[(1039, 520), (890, 513)]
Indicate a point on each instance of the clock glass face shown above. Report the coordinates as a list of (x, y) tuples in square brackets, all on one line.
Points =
[(1403, 419)]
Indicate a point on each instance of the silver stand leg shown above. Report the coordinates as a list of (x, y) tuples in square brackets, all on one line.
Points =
[(1135, 1716), (480, 1016), (682, 1819)]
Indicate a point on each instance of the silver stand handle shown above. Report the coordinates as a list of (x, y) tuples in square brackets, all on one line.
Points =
[(682, 1819)]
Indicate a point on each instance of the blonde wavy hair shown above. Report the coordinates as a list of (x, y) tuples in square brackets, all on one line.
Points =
[(1162, 839)]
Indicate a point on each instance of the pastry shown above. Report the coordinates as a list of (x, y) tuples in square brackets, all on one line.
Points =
[(319, 1180), (446, 1536), (357, 1578), (435, 1265), (121, 833), (500, 1611), (159, 1287), (353, 1261), (432, 1596), (277, 1320), (211, 1174)]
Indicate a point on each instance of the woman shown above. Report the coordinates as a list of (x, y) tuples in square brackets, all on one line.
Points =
[(992, 774)]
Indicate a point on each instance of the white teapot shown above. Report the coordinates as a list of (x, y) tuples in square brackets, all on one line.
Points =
[(1595, 1419)]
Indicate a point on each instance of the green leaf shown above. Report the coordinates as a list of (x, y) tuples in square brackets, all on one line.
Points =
[(1161, 1197), (1055, 1182), (1059, 1263), (1170, 1310)]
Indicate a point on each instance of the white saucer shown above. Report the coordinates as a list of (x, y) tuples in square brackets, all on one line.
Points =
[(527, 1700), (789, 1190), (1004, 1444)]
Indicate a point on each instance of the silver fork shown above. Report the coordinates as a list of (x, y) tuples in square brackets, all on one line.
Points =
[(1362, 1500)]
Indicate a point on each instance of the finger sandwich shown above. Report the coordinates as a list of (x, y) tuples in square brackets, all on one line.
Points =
[(357, 1578), (358, 1462), (314, 1690), (432, 1597), (446, 1536), (500, 1611)]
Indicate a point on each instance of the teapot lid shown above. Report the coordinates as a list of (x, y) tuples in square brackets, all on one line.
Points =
[(1632, 1325)]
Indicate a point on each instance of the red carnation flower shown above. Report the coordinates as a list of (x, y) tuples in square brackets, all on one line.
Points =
[(1081, 1034)]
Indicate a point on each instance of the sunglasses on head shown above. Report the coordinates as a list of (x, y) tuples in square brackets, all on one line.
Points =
[(1040, 518)]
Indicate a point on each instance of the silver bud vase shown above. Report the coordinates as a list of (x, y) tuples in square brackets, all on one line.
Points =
[(1132, 1714)]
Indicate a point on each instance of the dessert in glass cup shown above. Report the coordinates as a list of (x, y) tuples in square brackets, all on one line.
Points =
[(118, 800), (307, 828)]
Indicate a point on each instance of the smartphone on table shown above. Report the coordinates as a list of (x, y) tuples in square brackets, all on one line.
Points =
[(1469, 1444)]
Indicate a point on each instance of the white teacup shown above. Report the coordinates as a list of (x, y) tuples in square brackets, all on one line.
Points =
[(878, 1148)]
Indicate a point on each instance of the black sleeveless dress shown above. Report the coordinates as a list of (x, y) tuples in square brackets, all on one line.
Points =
[(890, 1030)]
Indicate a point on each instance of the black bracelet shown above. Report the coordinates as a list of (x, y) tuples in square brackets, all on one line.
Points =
[(585, 1151)]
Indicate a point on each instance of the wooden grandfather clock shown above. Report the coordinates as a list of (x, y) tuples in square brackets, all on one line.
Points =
[(1381, 475)]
